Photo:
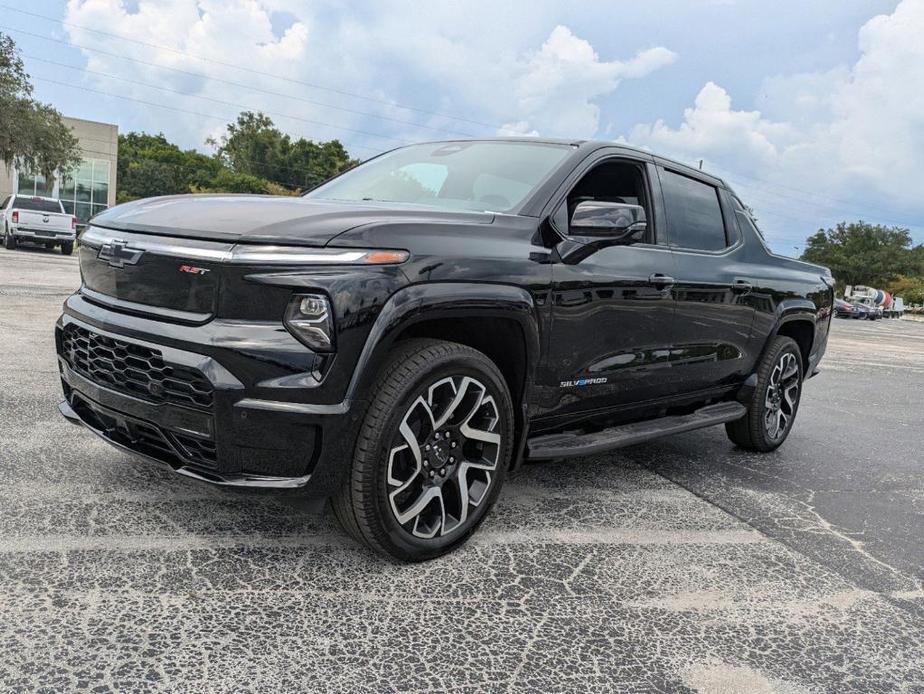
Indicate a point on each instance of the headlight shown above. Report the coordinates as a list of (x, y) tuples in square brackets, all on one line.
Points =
[(294, 255), (308, 317)]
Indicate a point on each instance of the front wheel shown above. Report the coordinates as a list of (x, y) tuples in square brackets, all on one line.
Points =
[(775, 402), (432, 452)]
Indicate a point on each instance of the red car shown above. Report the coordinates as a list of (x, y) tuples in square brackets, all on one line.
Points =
[(843, 309)]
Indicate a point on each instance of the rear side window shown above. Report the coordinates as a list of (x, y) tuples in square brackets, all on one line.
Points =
[(694, 214), (36, 204), (745, 219)]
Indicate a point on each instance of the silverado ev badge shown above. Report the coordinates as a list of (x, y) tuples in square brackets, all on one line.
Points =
[(118, 254), (583, 382)]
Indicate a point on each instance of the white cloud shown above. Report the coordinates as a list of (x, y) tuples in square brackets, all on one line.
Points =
[(712, 126), (555, 92), (852, 137), (453, 62), (851, 132)]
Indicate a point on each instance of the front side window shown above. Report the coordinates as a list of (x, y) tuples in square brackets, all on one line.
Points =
[(694, 214), (492, 176), (612, 181)]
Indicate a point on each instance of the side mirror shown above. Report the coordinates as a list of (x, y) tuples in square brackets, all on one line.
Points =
[(616, 221), (597, 225)]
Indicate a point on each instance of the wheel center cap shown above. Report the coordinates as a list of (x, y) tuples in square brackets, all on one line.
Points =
[(440, 452)]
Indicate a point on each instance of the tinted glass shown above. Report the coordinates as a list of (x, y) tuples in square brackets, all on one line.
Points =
[(694, 214), (496, 176), (745, 218), (36, 204)]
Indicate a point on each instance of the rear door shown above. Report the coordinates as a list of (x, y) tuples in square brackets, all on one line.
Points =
[(713, 289)]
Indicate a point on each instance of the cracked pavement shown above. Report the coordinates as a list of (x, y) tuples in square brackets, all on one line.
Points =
[(680, 565)]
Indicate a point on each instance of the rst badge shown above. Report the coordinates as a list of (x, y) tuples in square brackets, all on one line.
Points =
[(193, 270)]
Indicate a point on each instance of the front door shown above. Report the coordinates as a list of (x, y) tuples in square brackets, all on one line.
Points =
[(612, 310)]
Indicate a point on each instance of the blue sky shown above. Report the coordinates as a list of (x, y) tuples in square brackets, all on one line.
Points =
[(814, 112)]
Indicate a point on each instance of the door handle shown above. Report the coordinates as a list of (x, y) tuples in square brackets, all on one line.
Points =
[(741, 286), (659, 280)]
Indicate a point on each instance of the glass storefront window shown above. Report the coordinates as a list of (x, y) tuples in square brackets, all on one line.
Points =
[(101, 171), (83, 212), (86, 192), (32, 184)]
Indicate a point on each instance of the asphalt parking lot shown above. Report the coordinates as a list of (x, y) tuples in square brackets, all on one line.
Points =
[(675, 566)]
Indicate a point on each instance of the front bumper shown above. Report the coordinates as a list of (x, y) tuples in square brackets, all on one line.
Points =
[(237, 436), (120, 436)]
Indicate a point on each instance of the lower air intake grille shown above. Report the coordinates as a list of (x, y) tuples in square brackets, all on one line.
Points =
[(134, 369)]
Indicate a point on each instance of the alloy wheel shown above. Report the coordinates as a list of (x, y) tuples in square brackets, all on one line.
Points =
[(444, 455), (782, 396)]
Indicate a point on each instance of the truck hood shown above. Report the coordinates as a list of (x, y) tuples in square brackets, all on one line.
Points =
[(266, 219)]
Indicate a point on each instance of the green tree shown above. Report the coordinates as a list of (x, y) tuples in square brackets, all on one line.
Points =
[(255, 146), (149, 165), (253, 157), (911, 289), (33, 137), (861, 253)]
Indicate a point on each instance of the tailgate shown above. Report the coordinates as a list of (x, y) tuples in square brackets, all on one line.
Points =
[(50, 221)]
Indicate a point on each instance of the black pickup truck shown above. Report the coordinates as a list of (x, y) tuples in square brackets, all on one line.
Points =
[(402, 337)]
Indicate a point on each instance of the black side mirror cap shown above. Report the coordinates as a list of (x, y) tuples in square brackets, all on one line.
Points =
[(599, 224), (608, 219)]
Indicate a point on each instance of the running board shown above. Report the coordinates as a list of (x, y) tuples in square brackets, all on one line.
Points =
[(572, 444)]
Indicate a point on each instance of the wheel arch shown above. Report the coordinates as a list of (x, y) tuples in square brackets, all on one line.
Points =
[(797, 319), (499, 320), (802, 331)]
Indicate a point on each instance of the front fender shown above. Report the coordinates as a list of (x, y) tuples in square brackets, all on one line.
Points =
[(438, 300)]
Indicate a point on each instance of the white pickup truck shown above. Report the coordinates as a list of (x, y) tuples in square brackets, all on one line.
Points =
[(37, 220)]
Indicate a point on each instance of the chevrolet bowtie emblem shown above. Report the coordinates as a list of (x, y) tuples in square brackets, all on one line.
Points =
[(118, 254)]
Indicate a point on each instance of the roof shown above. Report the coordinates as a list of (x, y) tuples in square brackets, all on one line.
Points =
[(588, 145)]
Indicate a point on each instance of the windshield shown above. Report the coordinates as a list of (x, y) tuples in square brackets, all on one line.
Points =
[(36, 204), (494, 176)]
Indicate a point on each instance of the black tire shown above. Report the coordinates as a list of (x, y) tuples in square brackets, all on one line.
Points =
[(67, 248), (9, 241), (49, 245), (754, 431), (385, 474)]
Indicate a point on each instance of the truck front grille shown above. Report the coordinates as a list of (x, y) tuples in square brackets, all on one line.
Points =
[(134, 369)]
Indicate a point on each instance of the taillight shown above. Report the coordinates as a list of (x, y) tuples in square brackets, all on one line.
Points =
[(73, 224), (15, 216)]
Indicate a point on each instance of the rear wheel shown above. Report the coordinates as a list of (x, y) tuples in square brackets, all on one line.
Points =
[(775, 402), (432, 453), (9, 241), (67, 248)]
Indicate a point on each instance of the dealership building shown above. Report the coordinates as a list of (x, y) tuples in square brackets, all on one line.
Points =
[(87, 190)]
